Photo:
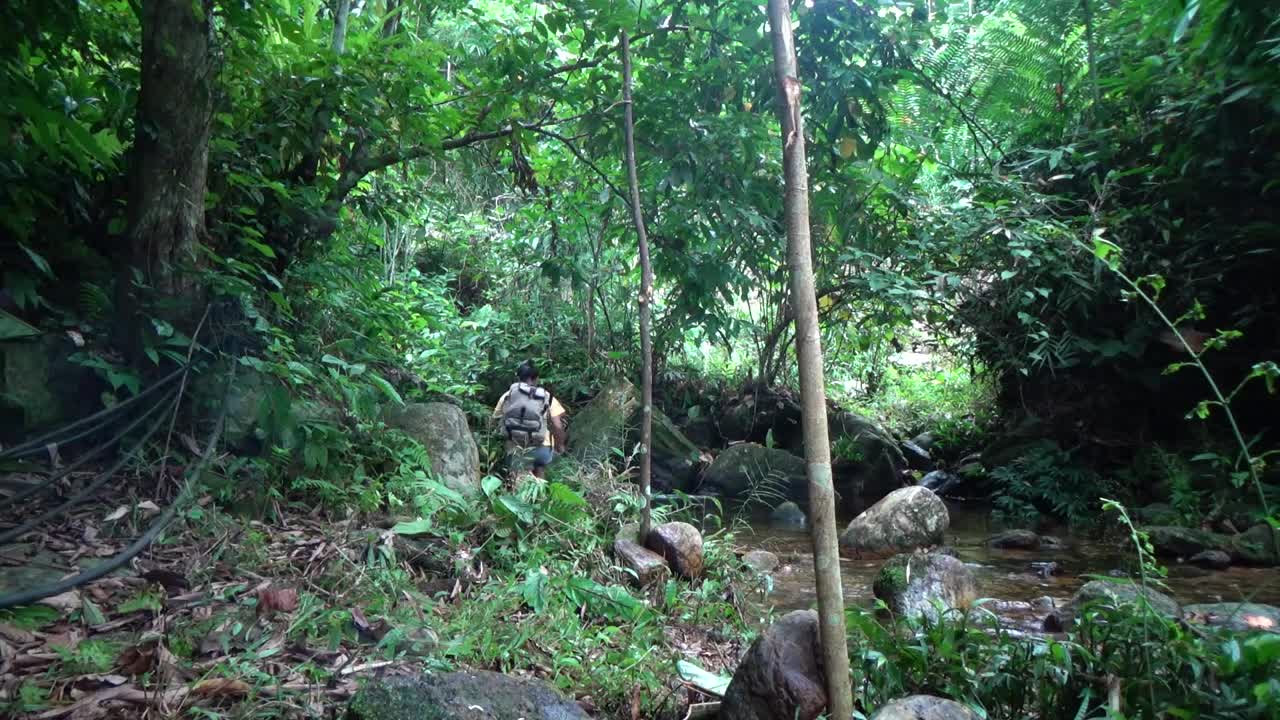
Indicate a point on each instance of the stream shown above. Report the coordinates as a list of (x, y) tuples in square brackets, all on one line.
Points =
[(1000, 574)]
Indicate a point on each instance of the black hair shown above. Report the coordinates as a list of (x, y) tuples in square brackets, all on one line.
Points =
[(527, 371)]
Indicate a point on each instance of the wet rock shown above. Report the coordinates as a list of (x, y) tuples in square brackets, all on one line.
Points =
[(762, 561), (941, 482), (1171, 541), (904, 520), (788, 516), (649, 567), (1122, 595), (1211, 559), (442, 430), (675, 458), (1044, 602), (601, 425), (1046, 569), (917, 457), (780, 677), (1015, 540), (747, 468), (1049, 542), (924, 707), (910, 584), (867, 462), (466, 695), (1240, 617), (924, 440), (753, 416), (681, 545), (1255, 546)]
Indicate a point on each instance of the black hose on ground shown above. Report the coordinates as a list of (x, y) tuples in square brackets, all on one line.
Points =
[(100, 420), (47, 483), (102, 478), (26, 597)]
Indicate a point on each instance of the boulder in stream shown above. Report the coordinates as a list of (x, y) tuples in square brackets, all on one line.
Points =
[(1252, 547), (780, 677), (917, 457), (442, 431), (1015, 540), (747, 468), (913, 585), (941, 482), (788, 516), (1210, 560), (867, 462), (681, 545), (463, 695), (762, 561), (1122, 594), (1239, 617), (924, 707), (905, 519), (649, 567)]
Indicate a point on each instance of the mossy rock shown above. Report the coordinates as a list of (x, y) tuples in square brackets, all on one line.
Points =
[(474, 695), (745, 467), (914, 585), (1123, 594), (601, 425)]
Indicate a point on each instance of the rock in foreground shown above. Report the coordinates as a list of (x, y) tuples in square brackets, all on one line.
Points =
[(909, 584), (905, 519), (748, 468), (475, 695), (442, 430), (780, 678), (648, 566), (1123, 594), (762, 561), (681, 545), (924, 707), (1240, 617)]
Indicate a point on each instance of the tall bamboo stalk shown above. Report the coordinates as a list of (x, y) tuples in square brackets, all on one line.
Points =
[(813, 400), (646, 295)]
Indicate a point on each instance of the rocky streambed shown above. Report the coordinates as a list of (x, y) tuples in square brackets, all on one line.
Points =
[(1021, 578)]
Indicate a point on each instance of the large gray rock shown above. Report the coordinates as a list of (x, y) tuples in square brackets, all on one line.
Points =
[(464, 695), (911, 584), (747, 468), (904, 520), (40, 386), (601, 425), (1015, 540), (1240, 617), (867, 462), (788, 516), (680, 544), (675, 458), (1121, 595), (442, 430), (780, 677), (762, 561), (1252, 547), (649, 567), (924, 707)]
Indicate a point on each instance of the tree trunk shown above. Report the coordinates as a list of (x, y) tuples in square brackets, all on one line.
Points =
[(171, 149), (813, 400), (646, 294), (340, 16)]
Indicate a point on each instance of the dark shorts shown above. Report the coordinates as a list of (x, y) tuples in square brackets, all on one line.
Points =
[(524, 458)]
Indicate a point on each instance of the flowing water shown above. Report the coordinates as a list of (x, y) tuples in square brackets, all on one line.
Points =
[(1009, 575)]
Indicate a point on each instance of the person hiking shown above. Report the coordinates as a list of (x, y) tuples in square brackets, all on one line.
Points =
[(531, 423)]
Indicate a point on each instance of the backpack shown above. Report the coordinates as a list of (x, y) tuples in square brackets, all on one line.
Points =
[(524, 415)]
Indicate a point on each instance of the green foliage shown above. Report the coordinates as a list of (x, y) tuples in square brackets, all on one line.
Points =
[(1159, 667), (1046, 479)]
